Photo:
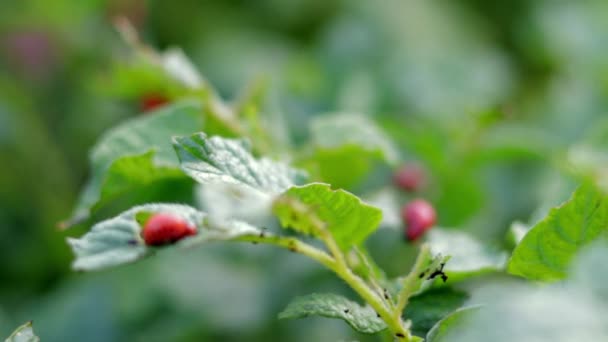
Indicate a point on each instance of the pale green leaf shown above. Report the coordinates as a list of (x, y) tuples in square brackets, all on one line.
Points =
[(546, 250), (468, 257), (361, 318), (348, 219), (117, 240), (24, 333), (346, 141), (220, 160), (339, 129)]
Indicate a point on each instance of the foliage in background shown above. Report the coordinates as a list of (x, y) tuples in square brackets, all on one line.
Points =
[(504, 107)]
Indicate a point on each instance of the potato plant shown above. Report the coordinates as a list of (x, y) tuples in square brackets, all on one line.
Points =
[(250, 187)]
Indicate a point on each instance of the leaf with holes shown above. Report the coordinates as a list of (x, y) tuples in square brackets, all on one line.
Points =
[(546, 250), (360, 318)]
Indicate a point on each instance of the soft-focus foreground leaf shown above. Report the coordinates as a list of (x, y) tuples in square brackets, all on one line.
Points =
[(360, 318), (427, 308), (348, 142), (24, 333), (440, 330), (469, 257), (115, 158), (574, 310), (219, 160), (347, 218), (117, 240), (546, 250)]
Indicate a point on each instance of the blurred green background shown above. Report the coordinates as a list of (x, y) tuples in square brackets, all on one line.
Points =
[(491, 96)]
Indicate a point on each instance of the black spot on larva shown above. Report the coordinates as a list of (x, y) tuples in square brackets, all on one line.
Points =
[(346, 311), (399, 335)]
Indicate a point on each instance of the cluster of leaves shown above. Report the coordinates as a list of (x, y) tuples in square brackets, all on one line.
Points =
[(136, 162)]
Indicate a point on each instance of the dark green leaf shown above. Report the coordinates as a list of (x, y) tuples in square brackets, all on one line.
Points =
[(346, 217), (110, 158), (117, 240), (362, 319), (219, 160), (546, 250), (24, 333), (426, 309)]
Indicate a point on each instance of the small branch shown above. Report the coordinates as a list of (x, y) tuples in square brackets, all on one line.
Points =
[(413, 280), (293, 245)]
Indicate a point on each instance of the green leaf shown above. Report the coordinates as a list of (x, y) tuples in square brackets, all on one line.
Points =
[(347, 142), (360, 318), (469, 257), (347, 218), (110, 160), (329, 164), (427, 308), (440, 330), (336, 130), (546, 250), (117, 240), (24, 333), (219, 160)]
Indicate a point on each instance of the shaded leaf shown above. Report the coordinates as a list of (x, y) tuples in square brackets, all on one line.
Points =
[(347, 218), (133, 138), (220, 160), (117, 240), (440, 330), (347, 142), (546, 250), (336, 130), (360, 318), (429, 307)]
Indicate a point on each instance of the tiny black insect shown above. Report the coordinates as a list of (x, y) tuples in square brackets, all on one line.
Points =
[(439, 272), (400, 335), (346, 311), (421, 275), (385, 294)]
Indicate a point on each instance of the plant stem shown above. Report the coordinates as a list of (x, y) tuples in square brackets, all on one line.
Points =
[(293, 245), (338, 265), (412, 281)]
